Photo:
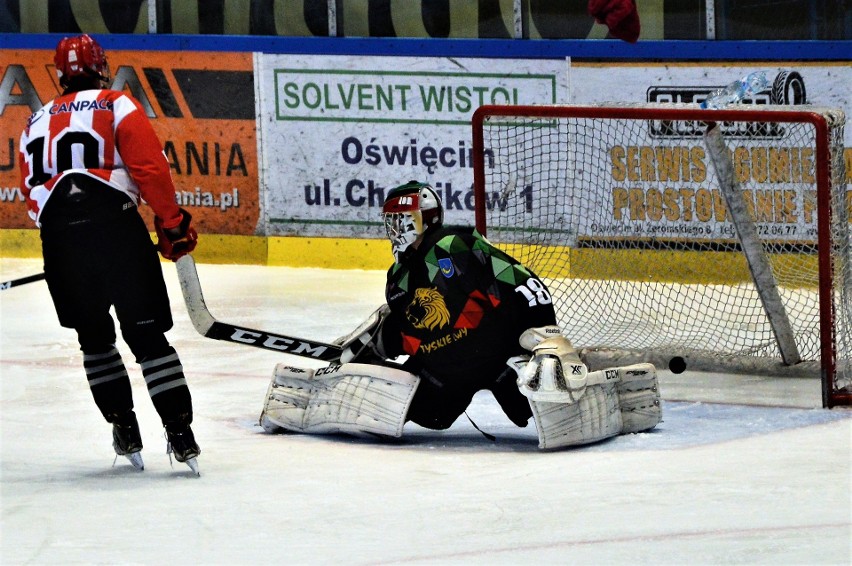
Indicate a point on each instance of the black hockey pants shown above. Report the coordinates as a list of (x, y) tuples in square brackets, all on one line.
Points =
[(98, 254)]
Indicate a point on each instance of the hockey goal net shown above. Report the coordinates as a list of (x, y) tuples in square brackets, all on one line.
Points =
[(662, 236)]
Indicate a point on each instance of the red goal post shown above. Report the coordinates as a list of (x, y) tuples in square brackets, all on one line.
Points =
[(661, 236)]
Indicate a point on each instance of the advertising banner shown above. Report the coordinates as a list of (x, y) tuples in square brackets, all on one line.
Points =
[(662, 187), (338, 132), (201, 105)]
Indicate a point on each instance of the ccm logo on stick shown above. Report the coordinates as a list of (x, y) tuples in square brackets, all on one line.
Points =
[(273, 342)]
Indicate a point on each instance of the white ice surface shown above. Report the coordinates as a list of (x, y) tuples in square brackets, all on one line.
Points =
[(743, 470)]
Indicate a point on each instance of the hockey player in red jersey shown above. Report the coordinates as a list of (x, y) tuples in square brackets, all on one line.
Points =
[(461, 317), (86, 159)]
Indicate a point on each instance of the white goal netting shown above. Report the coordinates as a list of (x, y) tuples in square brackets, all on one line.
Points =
[(623, 211)]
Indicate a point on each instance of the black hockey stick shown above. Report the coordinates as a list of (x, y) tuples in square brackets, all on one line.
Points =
[(208, 326), (22, 281)]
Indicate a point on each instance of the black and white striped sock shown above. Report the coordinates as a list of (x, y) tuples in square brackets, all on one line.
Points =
[(168, 389), (109, 383)]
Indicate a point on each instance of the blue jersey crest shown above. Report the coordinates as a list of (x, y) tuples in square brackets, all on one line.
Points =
[(447, 267)]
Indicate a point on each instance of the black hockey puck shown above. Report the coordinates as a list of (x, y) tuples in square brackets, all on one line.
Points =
[(677, 364)]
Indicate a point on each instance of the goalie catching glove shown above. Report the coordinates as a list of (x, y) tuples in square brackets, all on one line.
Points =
[(364, 344), (174, 243), (555, 373)]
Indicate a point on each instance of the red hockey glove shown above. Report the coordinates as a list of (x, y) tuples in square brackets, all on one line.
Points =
[(620, 16), (174, 243)]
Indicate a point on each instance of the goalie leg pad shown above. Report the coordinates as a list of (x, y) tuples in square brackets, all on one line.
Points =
[(351, 398), (639, 397), (614, 401), (593, 417), (286, 399)]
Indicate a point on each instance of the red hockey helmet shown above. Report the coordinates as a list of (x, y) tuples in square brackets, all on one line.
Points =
[(408, 212), (80, 56)]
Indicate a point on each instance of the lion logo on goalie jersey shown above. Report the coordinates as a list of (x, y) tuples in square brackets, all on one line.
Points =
[(428, 309)]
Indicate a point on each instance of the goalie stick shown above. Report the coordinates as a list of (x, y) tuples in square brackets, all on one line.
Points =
[(209, 327), (22, 281)]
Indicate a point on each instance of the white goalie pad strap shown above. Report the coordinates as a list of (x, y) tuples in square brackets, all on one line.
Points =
[(639, 397), (555, 373), (593, 417), (349, 398)]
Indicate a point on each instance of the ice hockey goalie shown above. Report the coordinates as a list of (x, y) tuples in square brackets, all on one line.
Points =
[(457, 308)]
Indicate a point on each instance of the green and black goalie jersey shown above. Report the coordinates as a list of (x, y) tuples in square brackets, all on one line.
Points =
[(458, 306)]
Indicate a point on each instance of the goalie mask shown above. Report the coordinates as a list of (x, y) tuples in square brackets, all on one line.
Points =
[(409, 211), (80, 57)]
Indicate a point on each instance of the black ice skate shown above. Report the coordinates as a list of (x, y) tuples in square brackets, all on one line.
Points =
[(126, 439), (182, 444)]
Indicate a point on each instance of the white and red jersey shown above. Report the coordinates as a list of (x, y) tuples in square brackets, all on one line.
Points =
[(101, 133)]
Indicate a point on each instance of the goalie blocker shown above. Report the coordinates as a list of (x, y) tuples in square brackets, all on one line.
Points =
[(570, 405)]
